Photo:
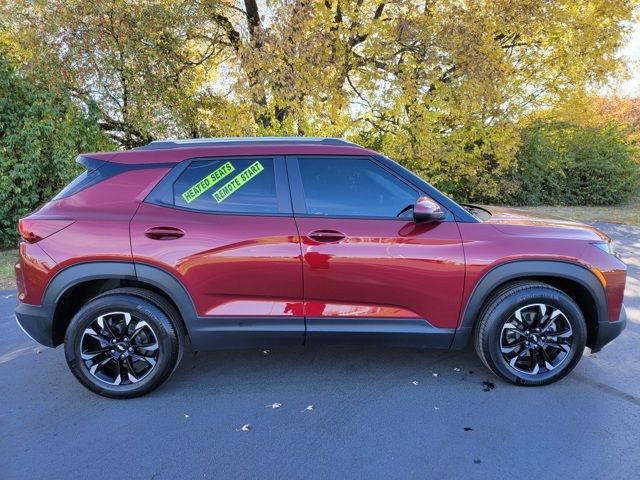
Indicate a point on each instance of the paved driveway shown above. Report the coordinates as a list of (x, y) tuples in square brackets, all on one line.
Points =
[(348, 412)]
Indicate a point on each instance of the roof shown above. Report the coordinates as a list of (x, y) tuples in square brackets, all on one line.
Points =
[(173, 151), (228, 141)]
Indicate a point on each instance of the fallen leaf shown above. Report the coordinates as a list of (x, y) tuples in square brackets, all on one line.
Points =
[(245, 428)]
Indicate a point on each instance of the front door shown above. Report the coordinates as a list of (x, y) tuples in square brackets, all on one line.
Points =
[(370, 272), (224, 228)]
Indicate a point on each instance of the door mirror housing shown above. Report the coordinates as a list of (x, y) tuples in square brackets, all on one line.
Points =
[(426, 210)]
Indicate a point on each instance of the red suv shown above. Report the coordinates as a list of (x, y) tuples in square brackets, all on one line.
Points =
[(234, 243)]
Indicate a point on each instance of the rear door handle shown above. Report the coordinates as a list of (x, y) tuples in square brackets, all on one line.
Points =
[(327, 236), (164, 233)]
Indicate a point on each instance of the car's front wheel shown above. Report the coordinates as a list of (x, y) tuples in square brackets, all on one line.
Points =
[(124, 343), (530, 333)]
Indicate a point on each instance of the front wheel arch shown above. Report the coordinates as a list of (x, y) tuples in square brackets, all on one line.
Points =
[(576, 281)]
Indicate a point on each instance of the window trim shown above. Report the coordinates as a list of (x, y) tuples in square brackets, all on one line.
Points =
[(164, 188), (297, 190)]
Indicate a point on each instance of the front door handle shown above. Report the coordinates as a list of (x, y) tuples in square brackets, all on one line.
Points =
[(327, 236), (164, 233)]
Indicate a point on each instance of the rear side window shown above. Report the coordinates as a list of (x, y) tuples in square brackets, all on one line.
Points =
[(228, 185), (93, 174), (351, 187)]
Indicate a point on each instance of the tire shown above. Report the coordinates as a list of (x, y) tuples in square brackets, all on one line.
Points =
[(124, 343), (521, 337)]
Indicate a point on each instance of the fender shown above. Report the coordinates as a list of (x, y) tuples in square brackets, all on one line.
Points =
[(518, 269), (118, 270), (169, 284), (82, 272)]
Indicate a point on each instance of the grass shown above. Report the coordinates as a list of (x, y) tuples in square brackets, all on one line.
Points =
[(628, 214), (8, 259)]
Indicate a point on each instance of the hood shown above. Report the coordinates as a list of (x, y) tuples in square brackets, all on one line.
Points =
[(514, 221)]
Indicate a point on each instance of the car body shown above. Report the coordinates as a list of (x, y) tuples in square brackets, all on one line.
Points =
[(289, 241)]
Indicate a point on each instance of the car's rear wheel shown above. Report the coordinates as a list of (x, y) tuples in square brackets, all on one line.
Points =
[(530, 333), (124, 343)]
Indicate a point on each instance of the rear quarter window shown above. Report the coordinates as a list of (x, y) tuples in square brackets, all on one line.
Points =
[(93, 174)]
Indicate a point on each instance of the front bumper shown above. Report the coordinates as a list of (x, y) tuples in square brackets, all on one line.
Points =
[(37, 322), (607, 331)]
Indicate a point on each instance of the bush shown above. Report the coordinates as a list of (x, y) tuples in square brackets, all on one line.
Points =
[(562, 164), (603, 169), (41, 133)]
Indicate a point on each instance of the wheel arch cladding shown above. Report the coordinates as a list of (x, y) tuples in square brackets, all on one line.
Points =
[(77, 284), (573, 279)]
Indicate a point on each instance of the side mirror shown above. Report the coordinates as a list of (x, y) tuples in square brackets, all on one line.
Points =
[(426, 210)]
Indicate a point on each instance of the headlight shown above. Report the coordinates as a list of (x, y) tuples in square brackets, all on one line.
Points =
[(605, 247)]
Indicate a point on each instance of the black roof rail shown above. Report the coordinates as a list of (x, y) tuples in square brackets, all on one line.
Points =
[(230, 141)]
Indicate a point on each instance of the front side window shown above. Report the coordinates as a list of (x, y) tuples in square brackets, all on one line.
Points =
[(228, 185), (353, 188)]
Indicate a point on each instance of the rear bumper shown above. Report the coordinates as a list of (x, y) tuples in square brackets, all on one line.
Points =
[(607, 331), (37, 322)]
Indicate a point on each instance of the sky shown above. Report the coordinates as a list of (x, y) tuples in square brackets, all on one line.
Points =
[(632, 53)]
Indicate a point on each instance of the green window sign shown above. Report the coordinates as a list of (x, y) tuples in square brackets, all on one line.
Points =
[(207, 182), (237, 182)]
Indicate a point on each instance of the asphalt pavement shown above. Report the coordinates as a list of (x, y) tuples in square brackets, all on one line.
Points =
[(351, 412)]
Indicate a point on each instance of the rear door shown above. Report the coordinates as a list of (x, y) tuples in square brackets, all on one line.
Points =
[(370, 272), (224, 228)]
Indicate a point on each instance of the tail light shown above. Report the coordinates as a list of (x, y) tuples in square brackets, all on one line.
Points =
[(34, 229)]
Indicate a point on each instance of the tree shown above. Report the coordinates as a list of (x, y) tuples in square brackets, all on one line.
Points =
[(625, 111), (41, 132), (441, 85), (147, 67)]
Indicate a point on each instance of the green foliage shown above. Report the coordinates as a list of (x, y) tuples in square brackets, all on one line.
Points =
[(470, 164), (41, 133), (563, 164), (444, 88)]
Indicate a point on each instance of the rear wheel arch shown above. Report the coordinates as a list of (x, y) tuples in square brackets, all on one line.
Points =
[(573, 279), (78, 284)]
